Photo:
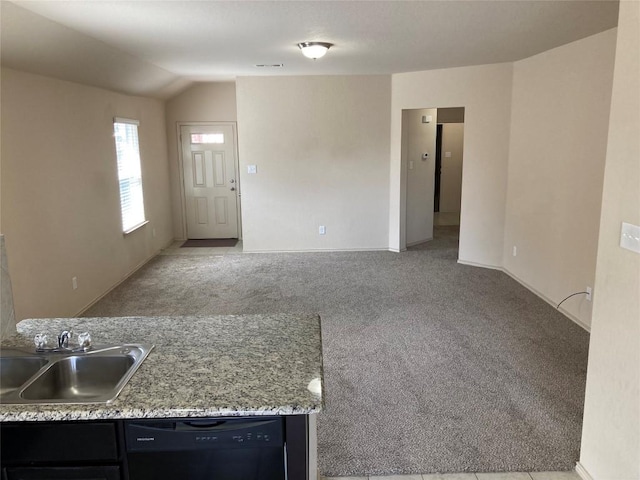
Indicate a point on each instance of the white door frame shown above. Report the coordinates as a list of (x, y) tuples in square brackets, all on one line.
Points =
[(183, 199)]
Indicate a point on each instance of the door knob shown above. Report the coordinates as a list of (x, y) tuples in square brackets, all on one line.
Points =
[(232, 181), (233, 189)]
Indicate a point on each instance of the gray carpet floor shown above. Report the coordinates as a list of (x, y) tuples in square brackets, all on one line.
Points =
[(430, 366)]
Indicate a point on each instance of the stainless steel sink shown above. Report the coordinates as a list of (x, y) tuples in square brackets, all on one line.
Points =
[(96, 376), (15, 371)]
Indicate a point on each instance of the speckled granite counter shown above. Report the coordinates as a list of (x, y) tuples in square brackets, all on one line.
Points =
[(200, 366)]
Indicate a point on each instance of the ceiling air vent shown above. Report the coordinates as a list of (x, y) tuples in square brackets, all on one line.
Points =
[(270, 65)]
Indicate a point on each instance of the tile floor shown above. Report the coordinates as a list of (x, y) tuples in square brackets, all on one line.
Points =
[(472, 476), (175, 249), (446, 218)]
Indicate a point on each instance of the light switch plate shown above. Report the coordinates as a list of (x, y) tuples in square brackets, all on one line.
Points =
[(252, 169), (447, 154), (630, 237)]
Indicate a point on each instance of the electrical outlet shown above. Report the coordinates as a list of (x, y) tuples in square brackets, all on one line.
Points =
[(322, 230), (589, 292), (153, 232), (514, 252), (74, 283)]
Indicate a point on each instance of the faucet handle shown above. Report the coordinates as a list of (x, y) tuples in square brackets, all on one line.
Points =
[(40, 341), (84, 340)]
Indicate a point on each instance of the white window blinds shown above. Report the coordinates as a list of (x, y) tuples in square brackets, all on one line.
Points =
[(125, 132)]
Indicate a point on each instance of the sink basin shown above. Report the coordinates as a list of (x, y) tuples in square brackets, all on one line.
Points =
[(15, 371), (78, 378), (96, 376)]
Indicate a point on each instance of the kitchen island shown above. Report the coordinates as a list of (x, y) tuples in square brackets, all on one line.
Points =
[(201, 367)]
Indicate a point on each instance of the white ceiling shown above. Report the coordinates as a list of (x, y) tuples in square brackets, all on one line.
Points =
[(158, 47)]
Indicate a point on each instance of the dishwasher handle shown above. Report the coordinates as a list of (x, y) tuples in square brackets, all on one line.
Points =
[(198, 424), (219, 425), (177, 426)]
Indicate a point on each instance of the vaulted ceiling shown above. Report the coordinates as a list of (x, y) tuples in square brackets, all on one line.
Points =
[(156, 48)]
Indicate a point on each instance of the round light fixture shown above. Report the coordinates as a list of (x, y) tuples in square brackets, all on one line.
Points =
[(314, 49)]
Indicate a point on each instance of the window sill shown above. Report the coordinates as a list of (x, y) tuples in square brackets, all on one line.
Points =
[(131, 230)]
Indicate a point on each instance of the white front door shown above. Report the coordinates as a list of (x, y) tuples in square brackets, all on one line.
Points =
[(210, 180)]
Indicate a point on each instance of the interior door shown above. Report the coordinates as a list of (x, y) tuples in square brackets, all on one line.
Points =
[(210, 180)]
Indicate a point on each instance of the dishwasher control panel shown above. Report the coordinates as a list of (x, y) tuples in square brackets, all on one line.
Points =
[(249, 437), (187, 434)]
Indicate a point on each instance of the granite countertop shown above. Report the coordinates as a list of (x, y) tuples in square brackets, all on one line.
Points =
[(227, 365)]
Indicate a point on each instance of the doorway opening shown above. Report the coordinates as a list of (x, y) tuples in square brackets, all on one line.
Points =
[(438, 172), (432, 151), (448, 168)]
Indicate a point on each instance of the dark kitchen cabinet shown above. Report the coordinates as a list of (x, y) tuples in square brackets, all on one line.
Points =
[(61, 450)]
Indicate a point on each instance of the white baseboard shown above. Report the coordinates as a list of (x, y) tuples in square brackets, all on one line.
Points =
[(411, 244), (582, 472), (567, 314), (115, 285), (481, 265)]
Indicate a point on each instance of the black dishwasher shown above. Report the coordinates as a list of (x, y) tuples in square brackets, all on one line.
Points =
[(206, 449)]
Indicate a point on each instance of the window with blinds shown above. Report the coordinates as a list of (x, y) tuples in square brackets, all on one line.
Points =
[(125, 132)]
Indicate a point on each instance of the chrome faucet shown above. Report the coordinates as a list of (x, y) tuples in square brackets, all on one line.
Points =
[(63, 339), (84, 343)]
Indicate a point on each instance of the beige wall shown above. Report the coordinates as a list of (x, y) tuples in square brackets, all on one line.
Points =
[(485, 92), (451, 171), (611, 428), (419, 138), (451, 115), (60, 196), (203, 102), (560, 112), (321, 146)]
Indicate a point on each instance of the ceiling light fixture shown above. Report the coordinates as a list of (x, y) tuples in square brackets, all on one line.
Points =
[(314, 49)]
